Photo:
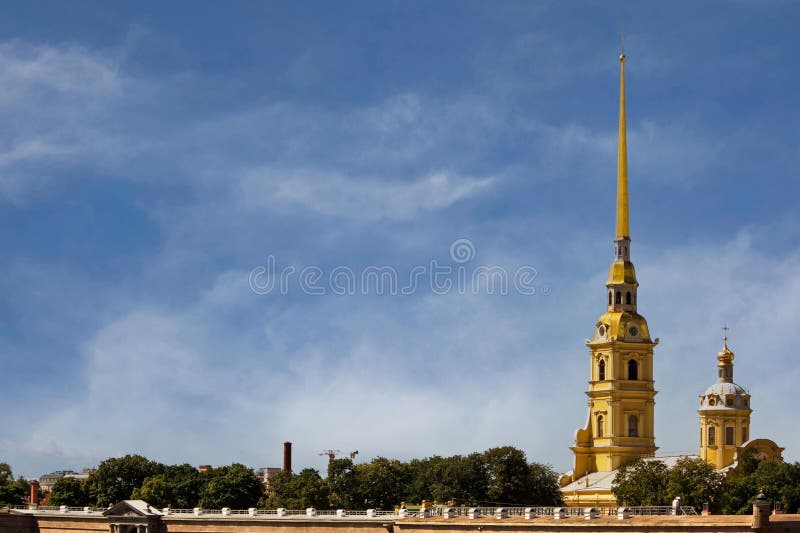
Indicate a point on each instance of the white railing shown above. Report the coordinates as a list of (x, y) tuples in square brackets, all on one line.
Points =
[(437, 511), (58, 508), (653, 510), (538, 512)]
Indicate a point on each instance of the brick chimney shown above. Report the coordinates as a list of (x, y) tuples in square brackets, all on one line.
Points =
[(34, 499), (287, 457)]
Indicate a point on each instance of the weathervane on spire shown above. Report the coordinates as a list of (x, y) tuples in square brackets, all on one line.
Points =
[(725, 329), (622, 42)]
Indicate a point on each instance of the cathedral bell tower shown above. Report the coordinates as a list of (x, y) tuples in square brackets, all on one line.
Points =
[(621, 387)]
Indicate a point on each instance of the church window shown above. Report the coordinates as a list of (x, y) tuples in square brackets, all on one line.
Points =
[(600, 425), (729, 436), (634, 298), (633, 426), (601, 370), (729, 401), (633, 370), (744, 434), (628, 298), (618, 297), (712, 402), (609, 297), (712, 436)]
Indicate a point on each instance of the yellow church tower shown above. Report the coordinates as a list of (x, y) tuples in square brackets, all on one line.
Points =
[(621, 387), (724, 415)]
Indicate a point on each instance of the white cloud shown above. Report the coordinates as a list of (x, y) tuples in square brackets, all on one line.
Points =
[(31, 72), (50, 108), (366, 199)]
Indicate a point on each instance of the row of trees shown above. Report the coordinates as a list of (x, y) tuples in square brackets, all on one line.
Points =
[(496, 476), (697, 482), (176, 486), (499, 476)]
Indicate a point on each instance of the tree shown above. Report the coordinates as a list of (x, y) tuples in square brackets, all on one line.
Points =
[(187, 485), (179, 487), (382, 483), (342, 484), (156, 491), (642, 482), (544, 486), (463, 479), (6, 475), (509, 475), (778, 481), (790, 493), (696, 482), (738, 493), (69, 491), (12, 492), (235, 486), (116, 478), (302, 490)]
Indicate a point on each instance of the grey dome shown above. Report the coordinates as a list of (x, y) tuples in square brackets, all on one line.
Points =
[(725, 395)]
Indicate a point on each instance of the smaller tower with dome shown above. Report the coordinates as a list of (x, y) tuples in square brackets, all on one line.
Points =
[(724, 414), (725, 418)]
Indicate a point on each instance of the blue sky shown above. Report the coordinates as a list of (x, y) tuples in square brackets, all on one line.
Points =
[(152, 155)]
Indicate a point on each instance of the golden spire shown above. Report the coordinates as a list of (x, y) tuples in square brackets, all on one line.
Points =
[(623, 229)]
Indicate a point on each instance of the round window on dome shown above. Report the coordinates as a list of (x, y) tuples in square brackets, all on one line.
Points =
[(712, 402), (633, 331)]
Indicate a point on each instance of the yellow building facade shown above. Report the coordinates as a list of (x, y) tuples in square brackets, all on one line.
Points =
[(620, 424)]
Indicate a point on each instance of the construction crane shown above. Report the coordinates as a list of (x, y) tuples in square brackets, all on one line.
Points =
[(331, 454)]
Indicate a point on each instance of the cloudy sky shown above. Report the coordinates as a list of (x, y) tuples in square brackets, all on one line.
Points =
[(154, 156)]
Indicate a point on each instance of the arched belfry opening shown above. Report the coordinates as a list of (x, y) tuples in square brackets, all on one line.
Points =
[(633, 370), (633, 426)]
